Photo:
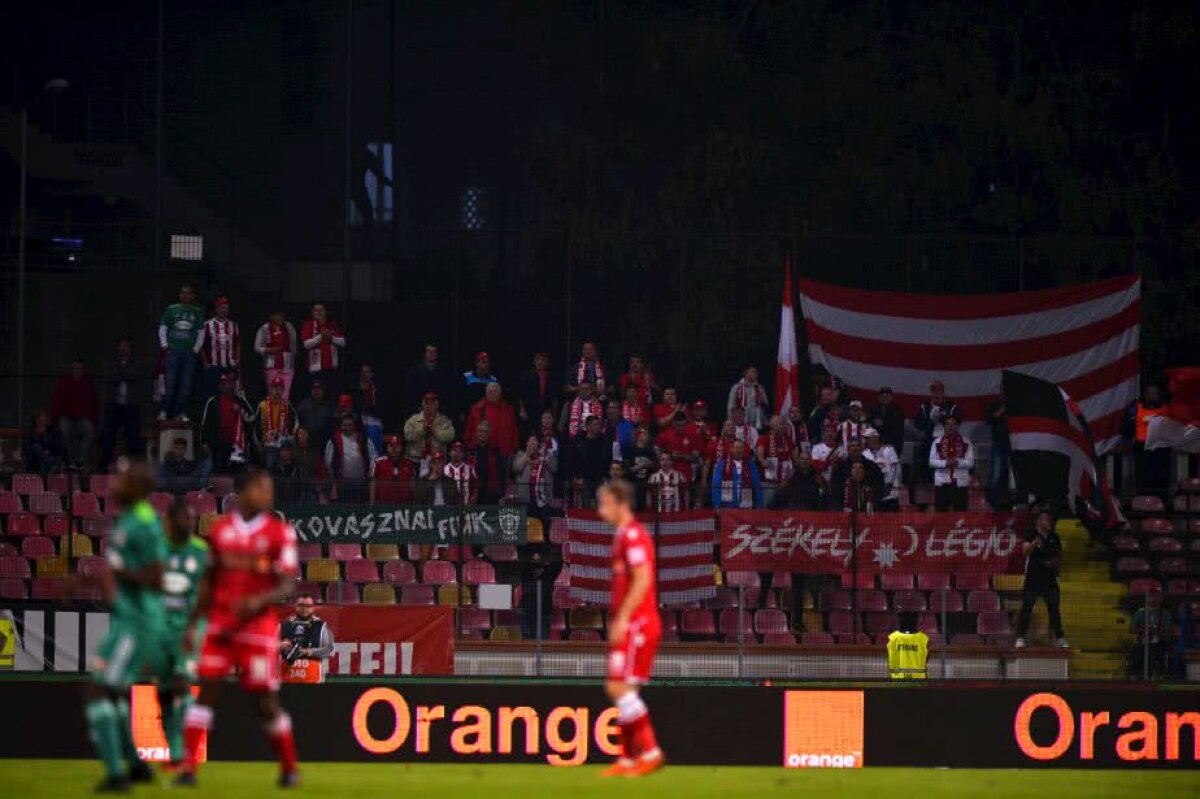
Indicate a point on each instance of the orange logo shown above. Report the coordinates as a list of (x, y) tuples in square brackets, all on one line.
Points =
[(148, 734), (823, 729)]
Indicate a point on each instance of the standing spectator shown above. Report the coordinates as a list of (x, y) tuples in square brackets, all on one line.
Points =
[(1150, 625), (742, 430), (294, 480), (1001, 454), (718, 448), (857, 491), (276, 341), (736, 482), (275, 422), (642, 380), (315, 413), (392, 474), (679, 445), (365, 403), (617, 431), (749, 395), (533, 472), (124, 382), (888, 419), (640, 460), (307, 456), (433, 489), (535, 392), (929, 423), (1152, 466), (667, 489), (827, 454), (699, 428), (179, 474), (883, 456), (323, 342), (41, 451), (179, 339), (498, 413), (774, 453), (805, 490), (586, 463), (461, 475), (856, 425), (577, 410), (633, 410), (220, 348), (824, 408), (548, 436), (951, 457), (476, 380), (664, 412), (1043, 551), (348, 457), (796, 429), (427, 431), (430, 376), (490, 464), (587, 369), (223, 427), (855, 454), (75, 412)]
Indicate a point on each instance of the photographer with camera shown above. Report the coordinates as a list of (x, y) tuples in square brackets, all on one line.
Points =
[(304, 635), (1043, 551)]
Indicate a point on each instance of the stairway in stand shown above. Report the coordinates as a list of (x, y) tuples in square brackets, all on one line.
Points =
[(1093, 608)]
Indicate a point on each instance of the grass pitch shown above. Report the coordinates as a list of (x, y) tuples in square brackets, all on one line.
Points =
[(33, 779)]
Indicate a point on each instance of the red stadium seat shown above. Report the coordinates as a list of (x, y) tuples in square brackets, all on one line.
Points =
[(982, 601), (476, 572), (949, 601), (972, 581), (1132, 565), (96, 528), (697, 622), (895, 582), (202, 502), (669, 619), (1126, 544), (993, 623), (1186, 503), (880, 622), (723, 598), (13, 588), (770, 620), (59, 484), (563, 599), (728, 624), (1177, 588), (506, 618), (91, 566), (927, 622), (342, 593), (742, 578), (558, 623), (26, 484), (1139, 587), (221, 485), (931, 581), (44, 502), (307, 587), (161, 501), (345, 552), (362, 571), (10, 502), (473, 620), (842, 622), (872, 599), (98, 484), (909, 600), (438, 572), (85, 504), (816, 639), (1144, 505), (22, 523), (309, 551), (781, 580), (48, 588), (57, 525), (14, 566), (833, 599), (781, 638), (8, 550), (860, 639), (1164, 544), (35, 546), (399, 572), (1157, 526), (500, 553), (1173, 566)]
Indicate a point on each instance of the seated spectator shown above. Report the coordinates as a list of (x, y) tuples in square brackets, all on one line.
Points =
[(586, 463), (888, 419), (805, 490), (348, 457), (124, 383), (699, 427), (883, 456), (364, 400), (427, 431), (430, 376), (461, 474), (827, 454), (41, 450), (536, 392), (295, 481), (749, 395), (664, 412), (951, 457), (498, 413), (490, 465), (736, 482), (841, 473), (667, 489), (744, 431), (179, 474), (476, 380), (223, 427), (774, 454), (642, 380), (392, 475), (928, 423), (275, 422), (640, 460), (587, 369), (855, 426), (316, 412), (857, 492), (533, 470), (578, 409), (75, 412)]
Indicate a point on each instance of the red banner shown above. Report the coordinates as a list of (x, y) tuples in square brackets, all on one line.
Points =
[(900, 543), (389, 639)]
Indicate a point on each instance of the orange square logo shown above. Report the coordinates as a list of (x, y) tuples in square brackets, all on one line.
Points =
[(823, 729)]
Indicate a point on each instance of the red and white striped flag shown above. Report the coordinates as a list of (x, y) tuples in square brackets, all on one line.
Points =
[(1083, 338), (683, 543), (787, 369)]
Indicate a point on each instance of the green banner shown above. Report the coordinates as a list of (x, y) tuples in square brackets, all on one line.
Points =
[(409, 524)]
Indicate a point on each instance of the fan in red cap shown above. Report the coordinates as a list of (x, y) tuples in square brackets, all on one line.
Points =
[(392, 474), (220, 345), (274, 422)]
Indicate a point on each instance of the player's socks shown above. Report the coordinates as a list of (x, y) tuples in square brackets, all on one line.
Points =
[(279, 732), (642, 733), (174, 709), (196, 723), (125, 732), (102, 729)]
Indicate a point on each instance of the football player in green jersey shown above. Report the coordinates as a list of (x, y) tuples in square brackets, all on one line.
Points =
[(187, 561), (132, 586)]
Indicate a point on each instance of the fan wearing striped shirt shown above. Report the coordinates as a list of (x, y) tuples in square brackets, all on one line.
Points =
[(667, 487)]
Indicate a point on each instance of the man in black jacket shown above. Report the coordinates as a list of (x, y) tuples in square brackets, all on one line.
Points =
[(536, 393), (429, 375), (837, 481), (1043, 551), (125, 383), (305, 635), (888, 419)]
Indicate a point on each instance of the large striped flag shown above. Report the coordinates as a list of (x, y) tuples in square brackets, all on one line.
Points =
[(787, 368), (1082, 338), (1053, 456), (683, 543)]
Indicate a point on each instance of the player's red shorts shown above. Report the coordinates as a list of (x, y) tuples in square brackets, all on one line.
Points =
[(632, 661), (252, 649)]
